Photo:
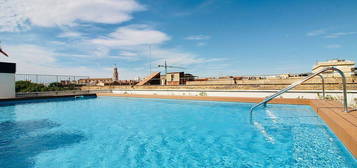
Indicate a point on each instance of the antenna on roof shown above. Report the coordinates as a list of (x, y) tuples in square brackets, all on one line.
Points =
[(1, 51), (168, 66), (150, 56)]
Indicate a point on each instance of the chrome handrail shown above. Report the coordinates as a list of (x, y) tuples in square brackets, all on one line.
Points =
[(323, 86), (266, 100)]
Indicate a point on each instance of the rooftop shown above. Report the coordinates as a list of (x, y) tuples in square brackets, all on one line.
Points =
[(335, 62)]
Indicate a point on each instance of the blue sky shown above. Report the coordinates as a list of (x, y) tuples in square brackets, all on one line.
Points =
[(207, 37)]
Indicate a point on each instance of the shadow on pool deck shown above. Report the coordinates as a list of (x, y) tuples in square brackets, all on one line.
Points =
[(17, 147)]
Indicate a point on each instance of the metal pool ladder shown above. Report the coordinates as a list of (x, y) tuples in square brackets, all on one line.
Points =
[(266, 100)]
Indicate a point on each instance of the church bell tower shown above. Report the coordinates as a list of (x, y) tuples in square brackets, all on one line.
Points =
[(115, 74)]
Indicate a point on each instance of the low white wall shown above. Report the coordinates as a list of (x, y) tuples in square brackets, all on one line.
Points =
[(7, 85), (307, 94)]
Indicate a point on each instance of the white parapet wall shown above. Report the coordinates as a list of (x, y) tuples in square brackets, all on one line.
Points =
[(7, 80), (303, 94)]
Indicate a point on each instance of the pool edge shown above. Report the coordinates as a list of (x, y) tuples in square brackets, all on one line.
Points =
[(46, 97)]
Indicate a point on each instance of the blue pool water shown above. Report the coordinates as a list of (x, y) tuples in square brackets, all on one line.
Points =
[(132, 132)]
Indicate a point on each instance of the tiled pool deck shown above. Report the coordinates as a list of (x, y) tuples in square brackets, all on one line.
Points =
[(344, 125)]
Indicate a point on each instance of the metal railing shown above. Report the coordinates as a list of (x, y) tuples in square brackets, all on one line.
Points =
[(46, 79), (266, 100), (323, 86)]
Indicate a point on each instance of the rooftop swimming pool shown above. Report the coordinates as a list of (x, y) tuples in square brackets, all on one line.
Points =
[(135, 132)]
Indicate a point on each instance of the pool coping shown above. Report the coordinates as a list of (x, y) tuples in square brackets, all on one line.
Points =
[(46, 97), (343, 125)]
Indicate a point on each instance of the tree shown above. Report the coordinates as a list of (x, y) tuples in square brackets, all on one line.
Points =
[(28, 86)]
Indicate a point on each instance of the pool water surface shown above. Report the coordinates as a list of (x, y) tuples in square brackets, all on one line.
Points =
[(135, 132)]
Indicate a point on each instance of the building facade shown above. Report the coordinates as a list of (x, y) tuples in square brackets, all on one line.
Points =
[(176, 78), (346, 66), (95, 81), (7, 80), (105, 81)]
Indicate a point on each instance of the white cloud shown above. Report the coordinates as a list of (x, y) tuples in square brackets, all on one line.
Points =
[(128, 54), (31, 54), (133, 42), (197, 37), (57, 42), (133, 35), (17, 15), (32, 59), (101, 51), (178, 57), (125, 55), (12, 18), (69, 34), (333, 46), (130, 41), (316, 32), (329, 35), (175, 57), (200, 44), (339, 34)]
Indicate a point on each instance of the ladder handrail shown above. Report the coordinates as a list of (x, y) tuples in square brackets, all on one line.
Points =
[(293, 85), (323, 85)]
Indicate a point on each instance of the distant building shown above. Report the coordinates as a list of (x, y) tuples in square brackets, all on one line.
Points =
[(346, 66), (214, 81), (171, 78), (290, 75), (67, 82), (107, 81), (95, 81), (176, 78)]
